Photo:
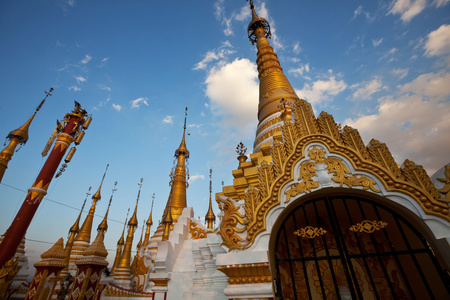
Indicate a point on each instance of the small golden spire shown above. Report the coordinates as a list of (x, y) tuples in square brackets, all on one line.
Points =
[(167, 219), (76, 226), (125, 258), (120, 245), (179, 179), (103, 226), (97, 195), (139, 245), (133, 220), (85, 232), (210, 218), (183, 149), (149, 224)]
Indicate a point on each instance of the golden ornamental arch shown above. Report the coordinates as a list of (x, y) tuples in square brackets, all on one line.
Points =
[(275, 164)]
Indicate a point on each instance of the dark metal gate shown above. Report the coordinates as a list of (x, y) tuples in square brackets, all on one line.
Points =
[(350, 247)]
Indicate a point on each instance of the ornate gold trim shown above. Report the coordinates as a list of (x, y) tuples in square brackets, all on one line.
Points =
[(247, 273), (368, 226), (196, 231), (160, 281), (310, 232)]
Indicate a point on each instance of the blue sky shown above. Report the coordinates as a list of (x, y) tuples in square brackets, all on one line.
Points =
[(382, 67)]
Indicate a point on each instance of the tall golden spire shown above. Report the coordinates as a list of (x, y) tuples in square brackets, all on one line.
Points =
[(125, 258), (273, 86), (210, 218), (120, 243), (103, 226), (178, 182), (72, 233), (17, 137), (85, 232), (149, 224)]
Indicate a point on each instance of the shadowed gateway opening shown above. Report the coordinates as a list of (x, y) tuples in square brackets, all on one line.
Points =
[(350, 247)]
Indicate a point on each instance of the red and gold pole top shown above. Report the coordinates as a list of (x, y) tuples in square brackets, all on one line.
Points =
[(70, 130)]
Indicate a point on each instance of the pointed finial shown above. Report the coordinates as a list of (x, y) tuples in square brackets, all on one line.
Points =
[(210, 181), (150, 221), (257, 23), (210, 218), (182, 149), (97, 195), (43, 100), (121, 240), (103, 226), (133, 220), (139, 245), (251, 5), (76, 226), (139, 192), (185, 117)]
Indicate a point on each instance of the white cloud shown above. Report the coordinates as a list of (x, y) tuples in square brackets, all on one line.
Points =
[(105, 59), (117, 107), (297, 49), (218, 54), (322, 90), (227, 21), (104, 87), (414, 122), (377, 42), (360, 11), (438, 41), (194, 125), (71, 3), (243, 14), (80, 79), (304, 68), (400, 73), (440, 3), (194, 178), (365, 90), (408, 9), (74, 88), (389, 55), (86, 59), (168, 120), (137, 102), (237, 107)]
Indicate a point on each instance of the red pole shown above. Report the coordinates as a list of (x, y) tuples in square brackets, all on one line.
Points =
[(73, 123)]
